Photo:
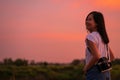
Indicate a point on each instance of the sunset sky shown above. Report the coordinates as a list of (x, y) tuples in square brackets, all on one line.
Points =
[(53, 30)]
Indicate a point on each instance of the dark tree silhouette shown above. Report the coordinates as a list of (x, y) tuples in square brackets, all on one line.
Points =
[(8, 61), (75, 62), (20, 62)]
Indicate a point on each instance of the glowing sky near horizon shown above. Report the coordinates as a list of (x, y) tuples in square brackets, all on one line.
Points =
[(52, 30)]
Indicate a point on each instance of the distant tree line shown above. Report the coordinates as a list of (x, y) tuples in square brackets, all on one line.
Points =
[(17, 62), (20, 62), (116, 61), (24, 62)]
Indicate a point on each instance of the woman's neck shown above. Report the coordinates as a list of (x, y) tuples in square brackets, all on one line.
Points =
[(93, 31)]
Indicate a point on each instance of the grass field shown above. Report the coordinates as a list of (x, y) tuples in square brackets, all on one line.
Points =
[(49, 72)]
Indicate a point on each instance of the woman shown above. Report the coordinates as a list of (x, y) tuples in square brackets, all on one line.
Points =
[(96, 42)]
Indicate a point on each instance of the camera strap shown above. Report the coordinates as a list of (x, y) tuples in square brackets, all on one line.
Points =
[(108, 53)]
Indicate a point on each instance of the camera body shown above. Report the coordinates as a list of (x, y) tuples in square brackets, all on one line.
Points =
[(104, 65)]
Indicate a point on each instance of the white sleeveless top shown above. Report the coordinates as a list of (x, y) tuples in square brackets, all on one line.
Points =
[(96, 38)]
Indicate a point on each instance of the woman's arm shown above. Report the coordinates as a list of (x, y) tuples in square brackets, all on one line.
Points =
[(94, 51), (112, 57)]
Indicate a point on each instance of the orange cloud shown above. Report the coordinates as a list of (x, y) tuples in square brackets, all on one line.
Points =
[(51, 36), (108, 3), (75, 4)]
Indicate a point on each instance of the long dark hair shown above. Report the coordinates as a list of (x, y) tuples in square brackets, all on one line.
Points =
[(99, 20)]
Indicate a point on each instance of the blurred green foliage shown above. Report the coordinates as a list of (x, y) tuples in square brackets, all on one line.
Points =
[(46, 71)]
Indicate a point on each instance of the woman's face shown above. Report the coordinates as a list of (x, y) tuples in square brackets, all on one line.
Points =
[(90, 23)]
